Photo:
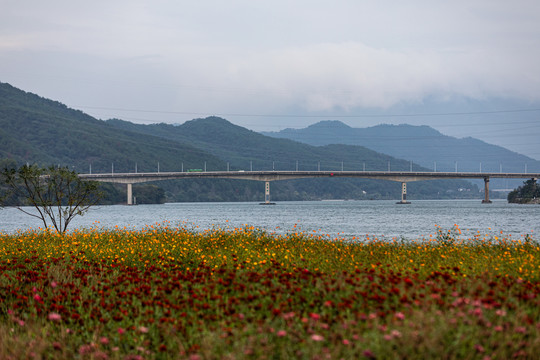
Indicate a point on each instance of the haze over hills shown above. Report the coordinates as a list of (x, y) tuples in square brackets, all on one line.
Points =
[(421, 144), (38, 130)]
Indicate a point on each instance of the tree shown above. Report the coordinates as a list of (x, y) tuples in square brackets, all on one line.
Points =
[(57, 193), (526, 193)]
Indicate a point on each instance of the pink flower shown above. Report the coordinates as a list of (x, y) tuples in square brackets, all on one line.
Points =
[(369, 354), (399, 316), (103, 340), (54, 284), (121, 331), (346, 342), (315, 316), (55, 317), (316, 337), (37, 297), (288, 315), (395, 333), (521, 329), (281, 333), (143, 329)]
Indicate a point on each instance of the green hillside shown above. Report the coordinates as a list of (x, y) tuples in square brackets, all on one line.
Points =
[(37, 130), (244, 149)]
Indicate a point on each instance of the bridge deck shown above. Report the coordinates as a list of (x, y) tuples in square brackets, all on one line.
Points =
[(267, 176), (401, 176)]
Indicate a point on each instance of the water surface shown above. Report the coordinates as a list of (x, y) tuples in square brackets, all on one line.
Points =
[(383, 219)]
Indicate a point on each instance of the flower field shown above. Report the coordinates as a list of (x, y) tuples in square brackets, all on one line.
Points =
[(168, 292)]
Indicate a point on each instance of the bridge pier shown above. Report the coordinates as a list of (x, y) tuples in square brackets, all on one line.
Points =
[(403, 194), (486, 191), (129, 193), (267, 194)]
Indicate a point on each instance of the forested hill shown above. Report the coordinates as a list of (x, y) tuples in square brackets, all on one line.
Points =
[(37, 130), (245, 149), (422, 144)]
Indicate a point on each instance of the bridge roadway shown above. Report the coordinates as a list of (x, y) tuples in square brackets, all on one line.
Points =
[(268, 176)]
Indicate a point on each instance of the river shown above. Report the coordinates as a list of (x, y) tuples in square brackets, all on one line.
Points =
[(360, 219)]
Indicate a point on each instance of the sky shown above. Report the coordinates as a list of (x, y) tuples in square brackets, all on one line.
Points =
[(464, 67)]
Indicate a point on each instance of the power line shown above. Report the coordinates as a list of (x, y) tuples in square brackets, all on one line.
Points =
[(310, 116)]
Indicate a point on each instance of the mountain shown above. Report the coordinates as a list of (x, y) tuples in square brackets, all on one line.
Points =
[(244, 149), (37, 130), (420, 144)]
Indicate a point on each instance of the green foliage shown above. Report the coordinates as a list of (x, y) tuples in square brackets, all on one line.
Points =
[(58, 194), (529, 192), (41, 131)]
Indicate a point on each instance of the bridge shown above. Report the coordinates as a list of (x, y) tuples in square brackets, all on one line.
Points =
[(267, 176)]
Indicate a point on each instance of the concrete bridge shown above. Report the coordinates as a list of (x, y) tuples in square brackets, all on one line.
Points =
[(267, 176)]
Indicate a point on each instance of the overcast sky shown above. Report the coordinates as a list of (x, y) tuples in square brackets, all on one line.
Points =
[(466, 68)]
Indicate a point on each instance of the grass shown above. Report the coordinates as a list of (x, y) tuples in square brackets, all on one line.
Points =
[(172, 293)]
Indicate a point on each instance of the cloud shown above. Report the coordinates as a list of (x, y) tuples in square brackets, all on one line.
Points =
[(344, 76), (245, 56)]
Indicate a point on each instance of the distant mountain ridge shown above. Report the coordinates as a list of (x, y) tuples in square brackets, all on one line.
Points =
[(420, 144)]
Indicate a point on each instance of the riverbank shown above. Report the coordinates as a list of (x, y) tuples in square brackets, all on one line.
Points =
[(166, 292)]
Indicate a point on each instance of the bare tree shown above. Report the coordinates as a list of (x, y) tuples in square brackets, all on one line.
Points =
[(57, 193)]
